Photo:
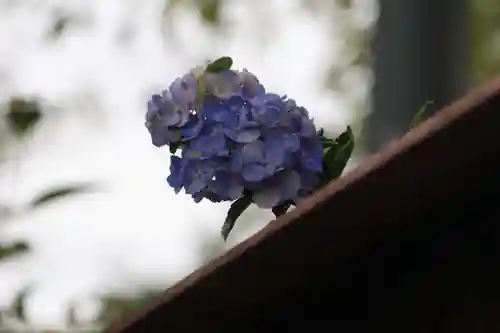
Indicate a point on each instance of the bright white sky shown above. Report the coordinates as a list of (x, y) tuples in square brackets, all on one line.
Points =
[(135, 231)]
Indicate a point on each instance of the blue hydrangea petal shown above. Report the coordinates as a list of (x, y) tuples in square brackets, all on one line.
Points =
[(253, 152), (227, 185), (159, 138), (309, 180), (311, 155), (274, 152), (251, 86), (308, 129), (197, 175), (268, 109), (244, 135), (290, 104), (216, 111), (154, 119), (236, 160), (191, 128), (211, 142), (254, 172), (175, 179), (279, 188), (289, 142), (290, 184), (171, 113), (267, 198), (224, 84), (183, 91)]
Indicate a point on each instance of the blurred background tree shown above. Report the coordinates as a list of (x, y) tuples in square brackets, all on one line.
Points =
[(349, 76)]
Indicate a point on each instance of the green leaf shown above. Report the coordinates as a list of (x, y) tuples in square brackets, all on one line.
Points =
[(237, 208), (14, 249), (336, 157), (419, 117), (173, 146), (59, 193), (220, 65), (327, 143), (23, 115)]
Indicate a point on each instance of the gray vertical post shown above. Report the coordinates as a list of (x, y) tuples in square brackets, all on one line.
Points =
[(420, 53)]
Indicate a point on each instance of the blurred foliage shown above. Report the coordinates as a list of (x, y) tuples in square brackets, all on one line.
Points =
[(420, 115), (60, 192), (209, 10), (59, 27), (7, 251), (19, 305), (485, 36), (23, 115), (115, 307)]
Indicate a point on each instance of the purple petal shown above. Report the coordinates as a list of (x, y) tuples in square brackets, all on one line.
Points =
[(308, 129), (291, 143), (289, 183), (311, 153), (183, 91), (251, 85), (227, 185), (274, 152), (254, 172), (281, 187), (253, 152), (176, 173), (159, 137), (192, 128), (236, 161), (268, 109), (246, 135), (198, 178)]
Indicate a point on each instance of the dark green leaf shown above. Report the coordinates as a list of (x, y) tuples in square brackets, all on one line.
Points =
[(327, 143), (60, 193), (18, 307), (23, 115), (419, 117), (173, 146), (14, 249), (336, 158), (220, 65), (237, 208)]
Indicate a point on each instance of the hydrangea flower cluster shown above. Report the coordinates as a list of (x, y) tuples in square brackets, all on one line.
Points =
[(235, 138)]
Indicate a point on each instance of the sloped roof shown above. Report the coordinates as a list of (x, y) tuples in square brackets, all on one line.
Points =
[(410, 175)]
